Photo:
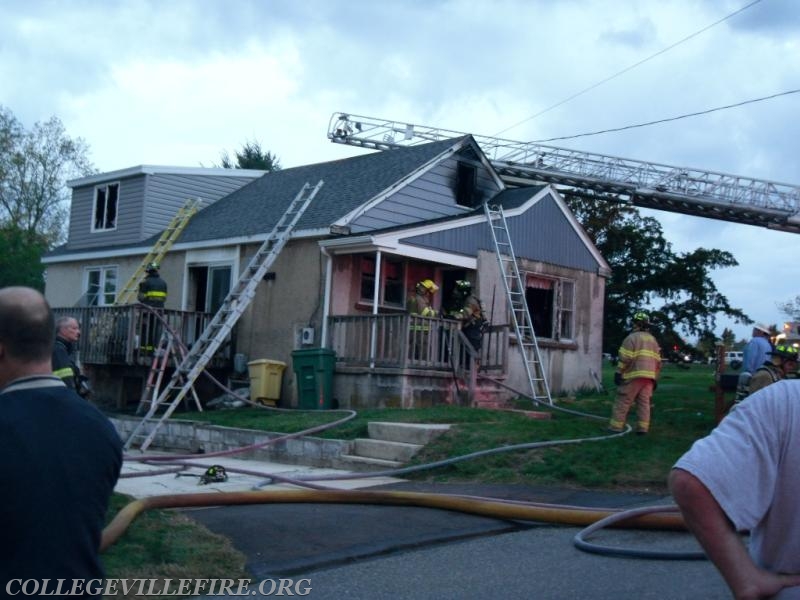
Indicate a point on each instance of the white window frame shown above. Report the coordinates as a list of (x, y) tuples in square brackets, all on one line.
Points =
[(105, 296), (104, 188), (385, 281)]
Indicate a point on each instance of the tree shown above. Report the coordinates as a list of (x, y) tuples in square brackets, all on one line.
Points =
[(791, 308), (251, 156), (20, 257), (34, 168), (647, 273)]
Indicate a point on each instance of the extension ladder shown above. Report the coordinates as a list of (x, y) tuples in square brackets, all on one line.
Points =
[(220, 327), (187, 211), (167, 348), (515, 293)]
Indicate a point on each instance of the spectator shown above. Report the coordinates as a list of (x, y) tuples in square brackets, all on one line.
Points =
[(755, 354), (744, 477), (61, 460)]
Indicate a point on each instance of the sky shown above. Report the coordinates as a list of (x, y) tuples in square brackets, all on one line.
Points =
[(176, 82)]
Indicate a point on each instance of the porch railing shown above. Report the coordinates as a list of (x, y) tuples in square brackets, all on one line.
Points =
[(411, 342), (128, 335)]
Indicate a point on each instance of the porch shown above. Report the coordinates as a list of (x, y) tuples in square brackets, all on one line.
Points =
[(385, 360)]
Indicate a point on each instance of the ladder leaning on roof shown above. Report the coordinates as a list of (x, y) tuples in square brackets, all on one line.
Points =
[(219, 328), (159, 249), (518, 306)]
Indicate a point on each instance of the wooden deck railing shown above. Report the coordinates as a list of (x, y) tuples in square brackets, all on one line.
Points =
[(127, 335), (411, 342)]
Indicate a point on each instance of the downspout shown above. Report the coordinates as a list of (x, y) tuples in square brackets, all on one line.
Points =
[(373, 341), (326, 296)]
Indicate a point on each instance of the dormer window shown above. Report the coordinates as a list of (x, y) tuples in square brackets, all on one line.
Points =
[(106, 198)]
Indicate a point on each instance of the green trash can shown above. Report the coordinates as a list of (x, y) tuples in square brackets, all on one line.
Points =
[(314, 368)]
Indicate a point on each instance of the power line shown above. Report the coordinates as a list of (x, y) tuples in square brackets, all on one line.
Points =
[(626, 69), (694, 114)]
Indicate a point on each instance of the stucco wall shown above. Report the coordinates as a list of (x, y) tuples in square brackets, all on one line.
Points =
[(271, 327)]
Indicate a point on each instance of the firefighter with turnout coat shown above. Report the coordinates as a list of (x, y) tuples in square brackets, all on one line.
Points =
[(469, 310), (782, 362), (153, 293), (637, 372), (65, 363), (421, 305)]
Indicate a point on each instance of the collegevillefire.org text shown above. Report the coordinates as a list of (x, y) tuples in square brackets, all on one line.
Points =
[(158, 587)]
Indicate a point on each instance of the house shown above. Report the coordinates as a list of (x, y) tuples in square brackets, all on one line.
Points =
[(379, 223)]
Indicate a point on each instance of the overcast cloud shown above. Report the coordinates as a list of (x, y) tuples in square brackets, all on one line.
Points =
[(176, 82)]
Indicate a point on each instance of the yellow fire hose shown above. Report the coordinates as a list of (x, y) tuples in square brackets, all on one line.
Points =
[(547, 513)]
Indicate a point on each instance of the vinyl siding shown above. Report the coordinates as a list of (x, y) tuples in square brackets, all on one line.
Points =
[(428, 197), (129, 210), (542, 233), (146, 205)]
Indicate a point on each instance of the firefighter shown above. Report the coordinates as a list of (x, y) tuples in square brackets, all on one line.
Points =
[(65, 362), (421, 305), (782, 363), (469, 310), (153, 289), (153, 293), (637, 372)]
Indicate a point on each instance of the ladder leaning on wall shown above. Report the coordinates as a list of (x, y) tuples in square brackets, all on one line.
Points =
[(518, 306), (160, 248), (220, 326)]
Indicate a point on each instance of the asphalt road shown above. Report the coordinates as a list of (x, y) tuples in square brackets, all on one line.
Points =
[(383, 552)]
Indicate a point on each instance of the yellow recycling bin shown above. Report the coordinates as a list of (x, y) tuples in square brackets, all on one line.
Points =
[(265, 380)]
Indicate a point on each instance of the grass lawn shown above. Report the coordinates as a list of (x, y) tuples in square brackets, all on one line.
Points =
[(167, 544), (684, 411)]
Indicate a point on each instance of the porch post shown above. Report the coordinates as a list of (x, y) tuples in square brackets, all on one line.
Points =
[(373, 340), (326, 300)]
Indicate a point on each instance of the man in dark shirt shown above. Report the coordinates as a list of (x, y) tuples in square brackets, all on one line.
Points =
[(61, 458)]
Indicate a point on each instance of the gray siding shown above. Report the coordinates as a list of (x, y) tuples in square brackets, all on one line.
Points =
[(166, 193), (431, 196), (129, 211), (147, 203), (542, 233)]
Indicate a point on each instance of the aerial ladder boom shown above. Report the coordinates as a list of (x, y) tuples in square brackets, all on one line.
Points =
[(644, 184)]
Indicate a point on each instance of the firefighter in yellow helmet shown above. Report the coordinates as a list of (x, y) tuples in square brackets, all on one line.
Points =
[(421, 305), (637, 372)]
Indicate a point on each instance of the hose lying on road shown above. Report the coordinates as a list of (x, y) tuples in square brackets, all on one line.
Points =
[(548, 513)]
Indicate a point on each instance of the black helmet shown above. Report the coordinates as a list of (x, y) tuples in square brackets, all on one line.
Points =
[(153, 266)]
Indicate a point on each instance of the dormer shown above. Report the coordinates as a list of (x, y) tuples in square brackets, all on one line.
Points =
[(131, 205)]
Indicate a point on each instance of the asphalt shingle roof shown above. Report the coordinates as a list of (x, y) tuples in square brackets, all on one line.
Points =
[(348, 183)]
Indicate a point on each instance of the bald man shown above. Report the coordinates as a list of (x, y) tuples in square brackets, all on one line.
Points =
[(61, 457)]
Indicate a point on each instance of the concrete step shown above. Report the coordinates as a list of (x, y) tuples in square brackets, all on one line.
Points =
[(409, 433), (362, 463), (385, 450)]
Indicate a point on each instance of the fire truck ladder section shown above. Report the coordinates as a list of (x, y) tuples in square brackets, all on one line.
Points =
[(159, 250), (517, 305), (223, 322), (644, 184)]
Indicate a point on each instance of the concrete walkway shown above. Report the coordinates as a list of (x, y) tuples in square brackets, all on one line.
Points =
[(148, 483)]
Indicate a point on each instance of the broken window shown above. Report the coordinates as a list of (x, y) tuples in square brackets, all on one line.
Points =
[(106, 198), (392, 278), (551, 303)]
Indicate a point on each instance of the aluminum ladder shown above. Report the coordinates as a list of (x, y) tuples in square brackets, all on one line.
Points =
[(129, 293), (222, 324), (168, 348), (515, 293)]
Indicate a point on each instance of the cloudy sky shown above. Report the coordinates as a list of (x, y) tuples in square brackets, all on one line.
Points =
[(175, 82)]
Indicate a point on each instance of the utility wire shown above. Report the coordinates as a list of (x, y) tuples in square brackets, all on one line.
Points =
[(679, 117), (626, 69)]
